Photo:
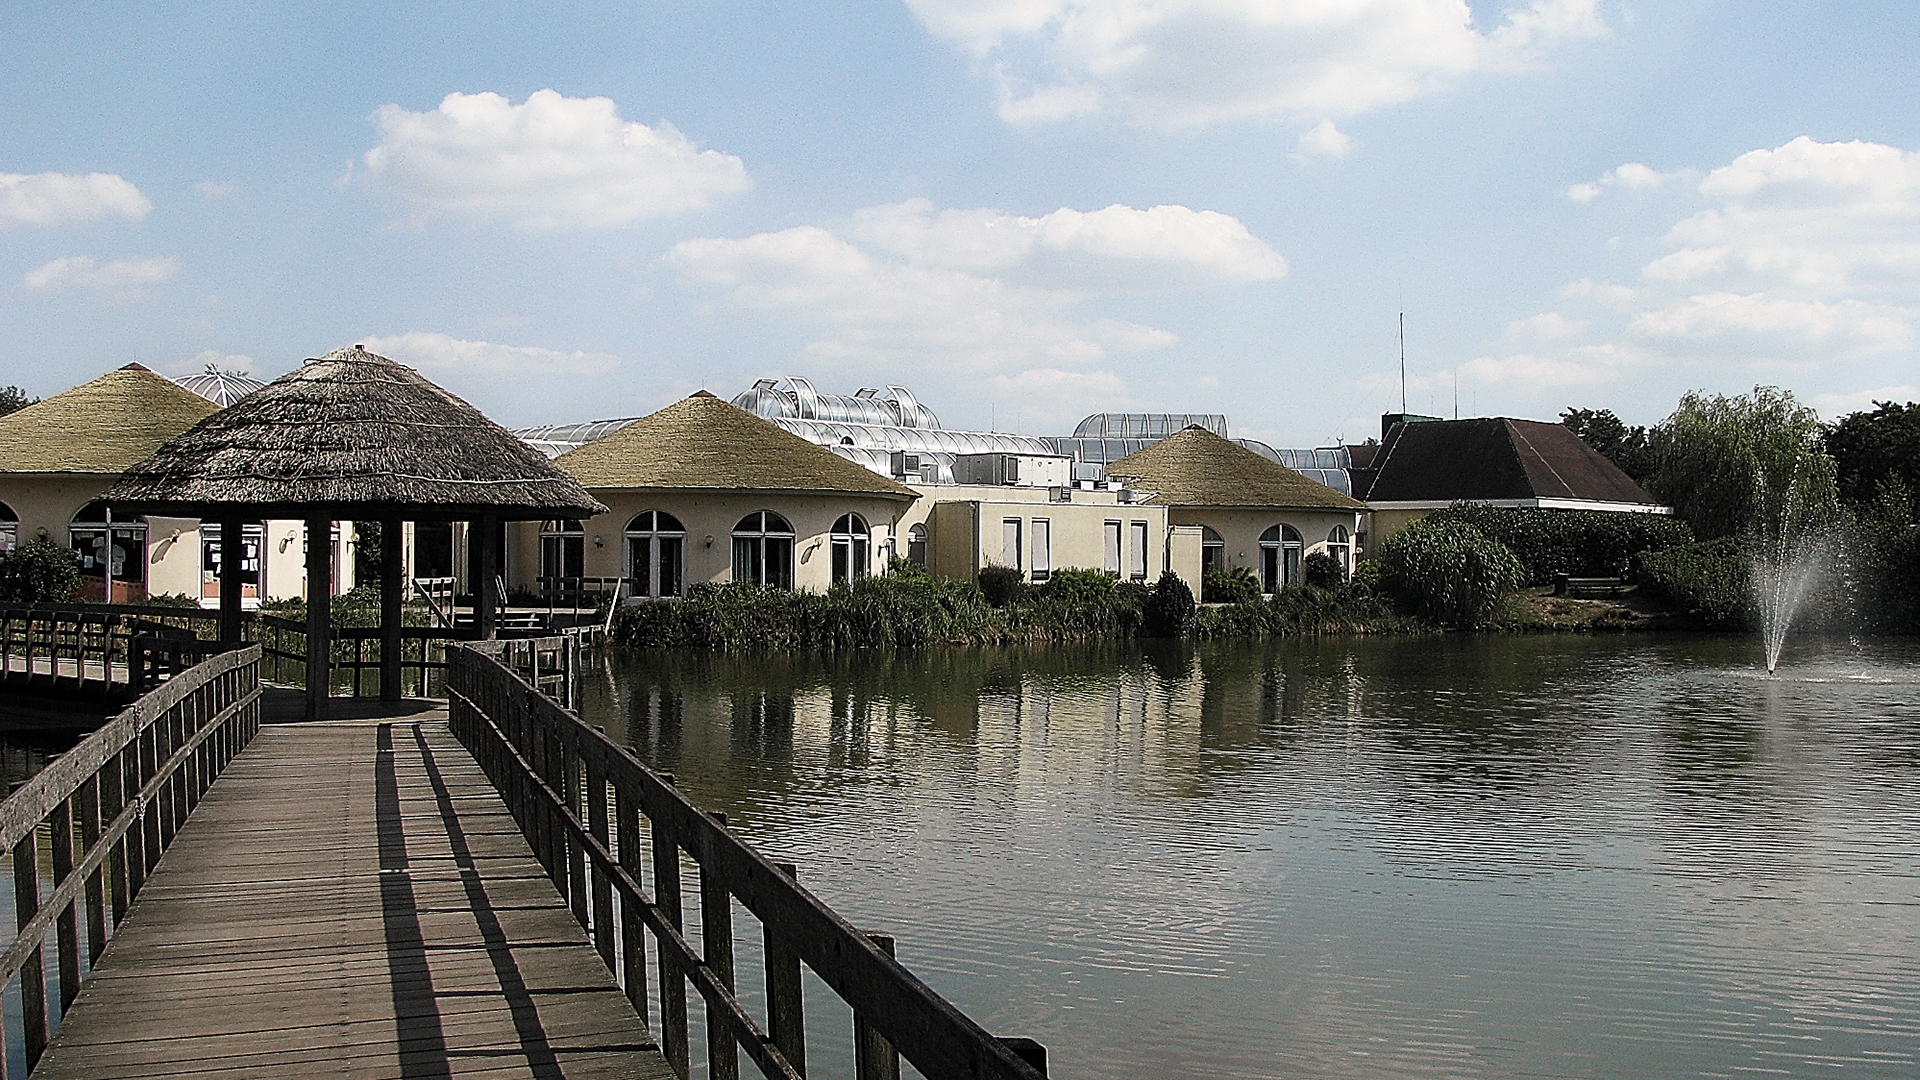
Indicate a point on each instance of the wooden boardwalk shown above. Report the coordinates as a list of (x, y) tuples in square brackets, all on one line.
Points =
[(351, 900)]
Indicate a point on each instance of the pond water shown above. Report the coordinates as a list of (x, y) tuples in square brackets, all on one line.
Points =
[(1558, 856)]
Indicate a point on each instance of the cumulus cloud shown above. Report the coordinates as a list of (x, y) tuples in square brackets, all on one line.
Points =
[(1848, 323), (1182, 63), (1547, 326), (982, 290), (441, 353), (121, 278), (552, 162), (213, 358), (1834, 406), (67, 199), (1324, 140), (1631, 176)]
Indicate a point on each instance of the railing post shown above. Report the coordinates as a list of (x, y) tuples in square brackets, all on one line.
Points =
[(673, 986), (786, 1014), (113, 800), (33, 977), (716, 938), (873, 1057), (602, 885), (66, 924), (633, 934), (88, 801)]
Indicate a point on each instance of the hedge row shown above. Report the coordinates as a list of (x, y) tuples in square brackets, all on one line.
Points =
[(1578, 543)]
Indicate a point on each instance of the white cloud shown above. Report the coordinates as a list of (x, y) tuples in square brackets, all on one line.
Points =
[(1599, 290), (122, 278), (1632, 176), (1547, 326), (1834, 406), (441, 354), (1849, 324), (1181, 63), (975, 290), (67, 199), (553, 162), (214, 189), (1324, 140), (1534, 371)]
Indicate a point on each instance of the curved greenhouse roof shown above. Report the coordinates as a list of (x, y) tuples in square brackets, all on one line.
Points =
[(800, 401), (1149, 426), (223, 388)]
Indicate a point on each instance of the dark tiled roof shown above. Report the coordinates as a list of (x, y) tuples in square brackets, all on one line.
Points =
[(1195, 467), (1495, 459)]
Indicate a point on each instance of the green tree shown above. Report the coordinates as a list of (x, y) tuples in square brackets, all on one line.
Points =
[(1731, 466), (1631, 448), (40, 572), (13, 399), (1448, 572), (1871, 450)]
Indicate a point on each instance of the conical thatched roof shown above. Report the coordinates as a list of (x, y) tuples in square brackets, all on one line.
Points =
[(1195, 467), (351, 436), (703, 442), (101, 427)]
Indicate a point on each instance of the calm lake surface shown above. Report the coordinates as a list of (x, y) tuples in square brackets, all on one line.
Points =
[(1633, 856)]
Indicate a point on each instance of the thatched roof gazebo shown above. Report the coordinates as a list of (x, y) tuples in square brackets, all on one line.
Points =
[(351, 436)]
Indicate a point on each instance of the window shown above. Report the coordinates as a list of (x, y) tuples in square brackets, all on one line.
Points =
[(562, 547), (1137, 558), (917, 545), (1213, 550), (1113, 548), (1042, 549), (656, 554), (1010, 543), (9, 530), (1341, 548), (251, 538), (125, 559), (763, 550), (849, 538), (1279, 558)]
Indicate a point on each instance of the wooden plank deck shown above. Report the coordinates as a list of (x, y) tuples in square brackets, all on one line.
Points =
[(351, 899)]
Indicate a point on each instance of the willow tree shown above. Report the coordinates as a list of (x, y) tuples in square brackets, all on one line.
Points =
[(1734, 466)]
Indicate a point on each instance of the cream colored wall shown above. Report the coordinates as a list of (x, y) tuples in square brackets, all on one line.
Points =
[(1387, 522), (709, 518), (1183, 555), (1240, 528), (964, 528)]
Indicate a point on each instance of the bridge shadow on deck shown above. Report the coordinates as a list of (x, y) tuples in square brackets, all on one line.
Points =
[(351, 899)]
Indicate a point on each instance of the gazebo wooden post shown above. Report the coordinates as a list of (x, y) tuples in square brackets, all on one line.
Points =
[(484, 614), (390, 608), (232, 545), (319, 615)]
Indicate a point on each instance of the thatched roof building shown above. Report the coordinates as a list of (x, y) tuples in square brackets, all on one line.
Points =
[(703, 442), (100, 428), (355, 436), (1195, 467)]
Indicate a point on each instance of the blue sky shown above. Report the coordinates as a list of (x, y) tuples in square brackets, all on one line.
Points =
[(1024, 210)]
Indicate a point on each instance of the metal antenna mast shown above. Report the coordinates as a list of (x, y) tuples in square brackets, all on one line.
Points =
[(1403, 362)]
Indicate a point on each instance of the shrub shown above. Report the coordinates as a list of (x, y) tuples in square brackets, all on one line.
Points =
[(1321, 570), (40, 572), (1449, 572), (1707, 581), (172, 600), (1234, 585), (1076, 603), (1579, 543), (1001, 585), (1169, 608)]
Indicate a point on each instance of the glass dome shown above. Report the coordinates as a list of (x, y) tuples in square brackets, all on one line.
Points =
[(223, 388)]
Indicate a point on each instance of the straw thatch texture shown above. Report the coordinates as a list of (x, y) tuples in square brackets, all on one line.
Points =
[(1195, 467), (351, 436), (101, 427), (703, 442)]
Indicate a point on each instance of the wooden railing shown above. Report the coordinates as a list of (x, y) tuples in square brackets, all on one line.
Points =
[(599, 822), (356, 656), (105, 811), (106, 650)]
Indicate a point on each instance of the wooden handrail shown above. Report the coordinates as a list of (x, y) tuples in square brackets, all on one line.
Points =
[(128, 787), (581, 801)]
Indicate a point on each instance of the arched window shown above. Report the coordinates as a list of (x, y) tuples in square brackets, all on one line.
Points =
[(9, 530), (1340, 546), (562, 547), (1213, 550), (849, 538), (917, 545), (109, 546), (1279, 558), (763, 550), (656, 554)]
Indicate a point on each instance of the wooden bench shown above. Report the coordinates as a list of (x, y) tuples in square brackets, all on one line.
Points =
[(1587, 587)]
